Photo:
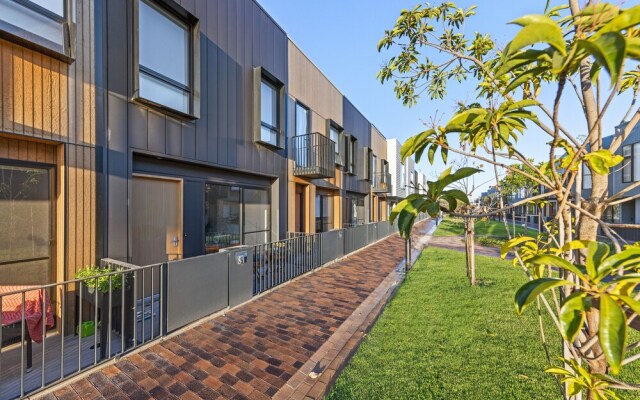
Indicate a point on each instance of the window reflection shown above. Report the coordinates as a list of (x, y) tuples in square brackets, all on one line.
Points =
[(222, 217), (236, 215), (25, 225)]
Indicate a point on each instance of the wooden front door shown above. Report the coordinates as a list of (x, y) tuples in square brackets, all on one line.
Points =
[(300, 209), (156, 213)]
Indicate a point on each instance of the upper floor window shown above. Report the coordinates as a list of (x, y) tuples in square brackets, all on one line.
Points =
[(336, 134), (368, 166), (374, 161), (627, 169), (303, 120), (165, 50), (268, 108), (40, 24), (352, 149)]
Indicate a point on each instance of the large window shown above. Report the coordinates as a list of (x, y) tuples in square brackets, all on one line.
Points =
[(354, 208), (235, 215), (257, 210), (268, 108), (25, 224), (324, 212), (269, 112), (627, 169), (303, 120), (374, 169), (43, 24), (165, 58), (222, 217), (352, 157), (335, 134)]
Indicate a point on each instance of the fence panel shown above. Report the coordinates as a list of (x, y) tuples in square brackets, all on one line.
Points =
[(355, 238), (196, 287), (81, 323), (332, 245), (384, 229), (372, 233), (278, 262), (241, 270)]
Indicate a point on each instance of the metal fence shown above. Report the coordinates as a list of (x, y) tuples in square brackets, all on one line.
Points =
[(59, 330), (94, 319), (277, 262)]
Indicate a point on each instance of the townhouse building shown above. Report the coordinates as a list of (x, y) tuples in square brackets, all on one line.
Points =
[(49, 134), (144, 132), (620, 178)]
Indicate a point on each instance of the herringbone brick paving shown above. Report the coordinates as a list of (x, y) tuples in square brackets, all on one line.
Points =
[(253, 350)]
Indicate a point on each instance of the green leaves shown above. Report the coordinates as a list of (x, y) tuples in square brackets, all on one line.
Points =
[(509, 245), (537, 29), (572, 315), (436, 199), (612, 331), (609, 50), (532, 289), (601, 160)]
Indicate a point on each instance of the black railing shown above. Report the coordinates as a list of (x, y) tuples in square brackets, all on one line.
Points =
[(314, 156), (87, 321), (381, 183)]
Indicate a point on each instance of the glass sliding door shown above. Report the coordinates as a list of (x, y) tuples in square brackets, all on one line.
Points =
[(324, 212), (235, 215), (257, 213), (26, 225), (222, 217)]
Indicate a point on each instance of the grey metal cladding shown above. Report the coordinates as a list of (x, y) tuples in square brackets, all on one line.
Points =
[(234, 37)]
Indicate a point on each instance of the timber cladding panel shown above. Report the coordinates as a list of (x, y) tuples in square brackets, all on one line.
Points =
[(48, 115), (309, 85), (378, 145)]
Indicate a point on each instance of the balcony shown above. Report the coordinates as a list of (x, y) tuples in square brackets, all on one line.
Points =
[(381, 183), (314, 156)]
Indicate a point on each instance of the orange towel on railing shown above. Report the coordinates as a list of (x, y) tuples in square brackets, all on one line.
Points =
[(12, 309)]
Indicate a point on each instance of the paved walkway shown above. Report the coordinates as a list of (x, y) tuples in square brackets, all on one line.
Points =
[(456, 243), (289, 343)]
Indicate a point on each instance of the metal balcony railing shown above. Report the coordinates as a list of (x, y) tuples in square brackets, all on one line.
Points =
[(314, 156), (381, 183)]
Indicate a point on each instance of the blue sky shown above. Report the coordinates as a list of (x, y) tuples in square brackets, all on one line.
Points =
[(340, 36)]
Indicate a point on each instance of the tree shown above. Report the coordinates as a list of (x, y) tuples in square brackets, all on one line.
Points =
[(514, 184), (569, 50)]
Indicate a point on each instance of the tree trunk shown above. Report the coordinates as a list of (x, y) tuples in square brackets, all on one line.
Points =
[(472, 253)]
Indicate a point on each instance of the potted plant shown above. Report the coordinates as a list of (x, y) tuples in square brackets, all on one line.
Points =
[(94, 285)]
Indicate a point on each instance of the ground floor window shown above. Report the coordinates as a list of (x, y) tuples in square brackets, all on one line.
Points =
[(26, 218), (236, 215), (324, 212), (354, 208)]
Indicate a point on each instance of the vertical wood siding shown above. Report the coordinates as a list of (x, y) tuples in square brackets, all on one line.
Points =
[(48, 115)]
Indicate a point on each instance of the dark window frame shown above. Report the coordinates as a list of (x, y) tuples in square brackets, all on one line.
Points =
[(627, 163), (340, 156), (241, 222), (351, 162), (171, 10), (53, 194), (28, 39), (260, 74), (295, 117)]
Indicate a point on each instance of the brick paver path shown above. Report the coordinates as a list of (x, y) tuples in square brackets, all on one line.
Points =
[(254, 350)]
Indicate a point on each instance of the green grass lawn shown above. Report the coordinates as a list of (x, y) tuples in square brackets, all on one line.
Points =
[(455, 227), (439, 338)]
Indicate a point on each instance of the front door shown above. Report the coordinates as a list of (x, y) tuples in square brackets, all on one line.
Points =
[(26, 224), (299, 211), (156, 213)]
